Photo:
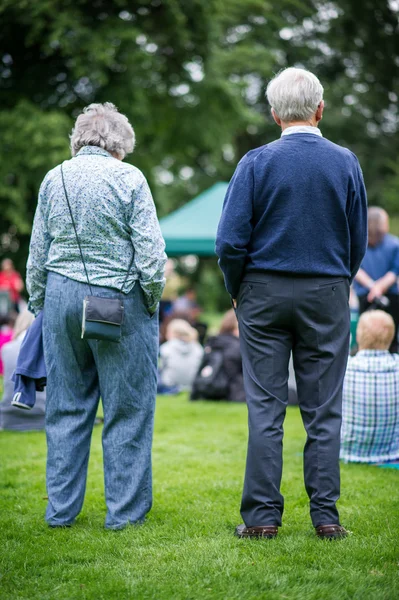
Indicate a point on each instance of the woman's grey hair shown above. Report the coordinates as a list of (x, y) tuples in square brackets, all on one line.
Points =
[(294, 94), (104, 126)]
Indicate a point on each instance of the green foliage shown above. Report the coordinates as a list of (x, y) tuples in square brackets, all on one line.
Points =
[(390, 190), (190, 76), (394, 225), (187, 549), (33, 142), (355, 39), (208, 283)]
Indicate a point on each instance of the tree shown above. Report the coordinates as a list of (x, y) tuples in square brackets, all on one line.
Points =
[(190, 76), (58, 57), (358, 59)]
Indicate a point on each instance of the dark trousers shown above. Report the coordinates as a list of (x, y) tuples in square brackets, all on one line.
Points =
[(392, 309), (309, 316)]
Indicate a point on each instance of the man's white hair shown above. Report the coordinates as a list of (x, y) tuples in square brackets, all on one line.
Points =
[(294, 94), (104, 126)]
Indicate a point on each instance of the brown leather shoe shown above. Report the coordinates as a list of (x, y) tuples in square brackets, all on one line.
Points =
[(260, 531), (331, 532)]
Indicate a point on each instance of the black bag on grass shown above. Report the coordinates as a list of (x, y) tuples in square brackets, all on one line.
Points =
[(211, 381)]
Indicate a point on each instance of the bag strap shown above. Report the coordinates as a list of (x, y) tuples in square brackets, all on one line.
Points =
[(80, 248), (76, 233)]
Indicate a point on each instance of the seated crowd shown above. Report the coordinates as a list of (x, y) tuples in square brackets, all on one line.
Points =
[(11, 417), (211, 369), (210, 373), (370, 425)]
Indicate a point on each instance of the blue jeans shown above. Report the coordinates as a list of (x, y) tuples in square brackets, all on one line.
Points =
[(79, 372)]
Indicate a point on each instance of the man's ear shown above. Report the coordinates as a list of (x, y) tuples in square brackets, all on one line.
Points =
[(319, 111), (276, 117)]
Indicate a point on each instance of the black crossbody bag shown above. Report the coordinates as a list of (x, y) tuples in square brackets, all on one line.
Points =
[(102, 317)]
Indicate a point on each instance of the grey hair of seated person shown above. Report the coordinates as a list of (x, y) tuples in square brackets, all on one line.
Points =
[(104, 126), (378, 224)]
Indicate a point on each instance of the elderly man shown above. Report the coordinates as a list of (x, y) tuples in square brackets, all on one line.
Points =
[(370, 412), (292, 235), (378, 274)]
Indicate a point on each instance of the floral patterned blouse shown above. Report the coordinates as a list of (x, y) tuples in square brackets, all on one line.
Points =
[(116, 222)]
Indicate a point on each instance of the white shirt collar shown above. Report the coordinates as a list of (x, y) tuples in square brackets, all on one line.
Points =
[(302, 129)]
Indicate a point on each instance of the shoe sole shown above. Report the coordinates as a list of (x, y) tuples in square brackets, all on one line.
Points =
[(256, 537), (333, 537)]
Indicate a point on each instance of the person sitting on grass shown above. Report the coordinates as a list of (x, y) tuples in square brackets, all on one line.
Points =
[(6, 334), (220, 374), (370, 415), (13, 418), (376, 283), (180, 357)]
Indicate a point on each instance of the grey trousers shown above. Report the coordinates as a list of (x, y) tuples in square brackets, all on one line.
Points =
[(309, 316)]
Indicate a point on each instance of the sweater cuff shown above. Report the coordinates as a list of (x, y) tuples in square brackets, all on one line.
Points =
[(34, 309)]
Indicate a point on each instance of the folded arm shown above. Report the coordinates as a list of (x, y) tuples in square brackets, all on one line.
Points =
[(364, 279), (382, 285)]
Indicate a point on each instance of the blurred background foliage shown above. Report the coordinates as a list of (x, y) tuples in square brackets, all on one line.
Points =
[(191, 76)]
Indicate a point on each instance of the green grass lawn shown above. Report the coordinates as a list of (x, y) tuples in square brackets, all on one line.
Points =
[(187, 550)]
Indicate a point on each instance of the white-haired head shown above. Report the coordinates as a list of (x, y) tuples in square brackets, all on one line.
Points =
[(181, 330), (375, 330), (294, 94), (104, 126), (378, 225)]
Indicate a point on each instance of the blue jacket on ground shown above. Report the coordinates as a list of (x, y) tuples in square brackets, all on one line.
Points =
[(298, 206), (379, 260), (30, 373)]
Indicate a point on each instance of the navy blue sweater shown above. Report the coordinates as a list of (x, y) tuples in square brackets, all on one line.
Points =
[(295, 206)]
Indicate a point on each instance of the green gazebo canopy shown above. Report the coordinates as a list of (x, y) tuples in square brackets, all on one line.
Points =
[(192, 228)]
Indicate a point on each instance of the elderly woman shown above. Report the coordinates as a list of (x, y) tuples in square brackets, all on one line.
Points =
[(123, 253)]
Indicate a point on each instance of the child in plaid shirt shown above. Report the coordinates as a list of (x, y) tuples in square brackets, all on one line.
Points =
[(370, 412)]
